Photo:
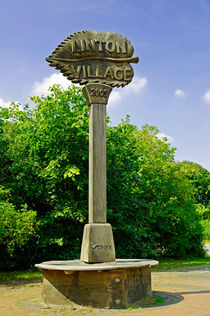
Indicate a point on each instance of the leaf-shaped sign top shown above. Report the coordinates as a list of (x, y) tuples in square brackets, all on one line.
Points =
[(95, 57)]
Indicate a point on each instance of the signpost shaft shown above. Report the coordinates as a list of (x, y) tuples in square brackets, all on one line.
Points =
[(97, 163), (98, 242)]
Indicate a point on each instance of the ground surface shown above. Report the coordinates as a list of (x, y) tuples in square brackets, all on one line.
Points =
[(191, 286)]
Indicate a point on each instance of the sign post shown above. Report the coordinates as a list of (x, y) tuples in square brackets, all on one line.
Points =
[(98, 243), (99, 61)]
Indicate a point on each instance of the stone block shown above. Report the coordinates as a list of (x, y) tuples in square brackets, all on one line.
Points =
[(98, 244), (100, 289)]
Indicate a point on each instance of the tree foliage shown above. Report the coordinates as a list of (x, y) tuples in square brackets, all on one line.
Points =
[(199, 178), (151, 201), (44, 165), (17, 227)]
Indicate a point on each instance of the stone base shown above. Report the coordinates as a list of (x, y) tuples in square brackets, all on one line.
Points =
[(98, 244), (116, 285)]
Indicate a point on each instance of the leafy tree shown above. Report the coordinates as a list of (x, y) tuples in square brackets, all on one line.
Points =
[(151, 202), (17, 227), (48, 169), (200, 179), (45, 165)]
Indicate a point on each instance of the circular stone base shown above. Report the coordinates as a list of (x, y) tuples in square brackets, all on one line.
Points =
[(104, 285)]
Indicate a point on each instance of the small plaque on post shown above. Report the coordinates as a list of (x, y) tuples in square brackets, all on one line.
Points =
[(96, 93)]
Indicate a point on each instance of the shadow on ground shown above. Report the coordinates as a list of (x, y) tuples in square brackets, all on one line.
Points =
[(158, 299)]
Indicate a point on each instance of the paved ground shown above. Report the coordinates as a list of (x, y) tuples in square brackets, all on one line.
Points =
[(192, 285)]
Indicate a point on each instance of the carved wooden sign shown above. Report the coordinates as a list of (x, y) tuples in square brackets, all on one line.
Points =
[(95, 57)]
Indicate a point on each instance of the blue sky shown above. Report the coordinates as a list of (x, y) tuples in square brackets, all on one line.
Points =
[(171, 89)]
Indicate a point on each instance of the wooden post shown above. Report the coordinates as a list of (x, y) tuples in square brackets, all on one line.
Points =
[(98, 243), (97, 163)]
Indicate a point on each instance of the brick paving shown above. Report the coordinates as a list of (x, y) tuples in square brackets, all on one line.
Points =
[(192, 284)]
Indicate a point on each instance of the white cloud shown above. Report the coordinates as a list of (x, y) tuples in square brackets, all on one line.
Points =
[(4, 104), (136, 86), (115, 97), (161, 135), (206, 96), (42, 87), (180, 93)]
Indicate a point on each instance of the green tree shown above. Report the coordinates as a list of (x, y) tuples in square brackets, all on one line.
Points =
[(151, 201), (200, 179), (45, 165), (17, 227), (48, 169)]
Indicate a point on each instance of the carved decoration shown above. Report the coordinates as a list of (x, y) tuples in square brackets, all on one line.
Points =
[(95, 57)]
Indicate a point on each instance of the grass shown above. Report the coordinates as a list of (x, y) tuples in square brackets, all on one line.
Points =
[(168, 264), (206, 227), (148, 302), (159, 300), (20, 275), (164, 264)]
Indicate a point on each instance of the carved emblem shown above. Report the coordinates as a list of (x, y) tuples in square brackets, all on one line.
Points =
[(101, 247), (95, 57)]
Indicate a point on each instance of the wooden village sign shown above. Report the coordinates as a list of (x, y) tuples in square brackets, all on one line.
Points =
[(99, 61), (95, 57)]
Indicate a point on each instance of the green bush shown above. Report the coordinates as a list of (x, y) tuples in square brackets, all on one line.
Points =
[(44, 164), (206, 227), (152, 209), (199, 178), (17, 227), (203, 212)]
